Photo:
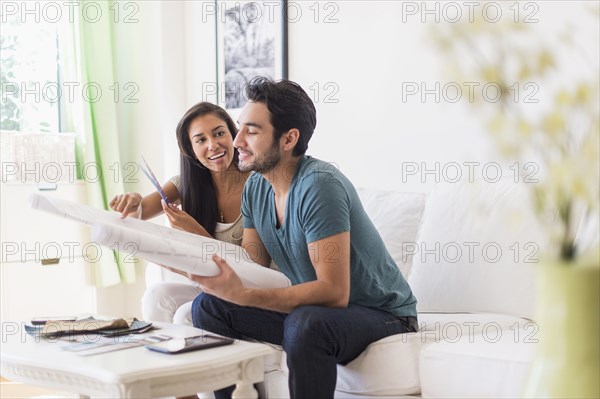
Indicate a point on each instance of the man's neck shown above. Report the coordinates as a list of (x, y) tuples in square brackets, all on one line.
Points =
[(280, 177)]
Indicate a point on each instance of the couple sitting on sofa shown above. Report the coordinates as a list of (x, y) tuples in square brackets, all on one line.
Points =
[(347, 291)]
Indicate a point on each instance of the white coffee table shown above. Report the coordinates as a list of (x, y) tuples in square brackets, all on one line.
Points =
[(134, 372)]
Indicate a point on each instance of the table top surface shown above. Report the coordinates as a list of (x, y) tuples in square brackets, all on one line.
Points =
[(124, 365)]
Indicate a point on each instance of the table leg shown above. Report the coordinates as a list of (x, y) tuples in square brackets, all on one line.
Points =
[(251, 371), (244, 389)]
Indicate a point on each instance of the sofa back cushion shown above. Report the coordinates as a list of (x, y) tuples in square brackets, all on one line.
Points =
[(477, 248), (396, 216)]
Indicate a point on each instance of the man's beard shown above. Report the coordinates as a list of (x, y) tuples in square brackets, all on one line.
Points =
[(266, 163)]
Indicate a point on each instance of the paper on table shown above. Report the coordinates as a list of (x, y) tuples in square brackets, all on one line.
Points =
[(163, 245), (82, 346)]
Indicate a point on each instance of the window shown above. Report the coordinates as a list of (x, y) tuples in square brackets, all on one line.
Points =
[(30, 84), (33, 104)]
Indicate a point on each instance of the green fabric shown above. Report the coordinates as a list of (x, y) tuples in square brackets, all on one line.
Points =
[(98, 152), (71, 116)]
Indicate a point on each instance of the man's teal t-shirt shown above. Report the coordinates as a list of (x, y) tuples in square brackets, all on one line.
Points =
[(322, 202)]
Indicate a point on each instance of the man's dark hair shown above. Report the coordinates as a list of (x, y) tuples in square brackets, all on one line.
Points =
[(290, 108)]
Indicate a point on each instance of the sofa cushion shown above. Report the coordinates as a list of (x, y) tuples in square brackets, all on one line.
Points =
[(499, 363), (390, 366), (396, 216), (476, 249)]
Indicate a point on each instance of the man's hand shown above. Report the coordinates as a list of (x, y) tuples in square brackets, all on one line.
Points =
[(226, 285)]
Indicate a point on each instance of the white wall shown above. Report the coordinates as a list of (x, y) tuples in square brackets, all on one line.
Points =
[(369, 132), (369, 54)]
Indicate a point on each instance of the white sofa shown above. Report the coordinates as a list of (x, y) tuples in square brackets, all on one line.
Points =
[(467, 250)]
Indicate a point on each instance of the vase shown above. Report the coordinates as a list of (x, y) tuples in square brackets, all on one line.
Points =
[(566, 364)]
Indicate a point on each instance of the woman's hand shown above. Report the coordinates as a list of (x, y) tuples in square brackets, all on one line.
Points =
[(127, 204), (182, 220)]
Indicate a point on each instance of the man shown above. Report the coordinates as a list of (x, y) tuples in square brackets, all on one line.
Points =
[(305, 215)]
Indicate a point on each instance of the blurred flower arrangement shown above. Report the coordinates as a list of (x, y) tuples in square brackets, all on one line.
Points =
[(536, 108)]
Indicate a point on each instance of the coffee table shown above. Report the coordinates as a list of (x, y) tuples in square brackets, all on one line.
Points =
[(133, 372)]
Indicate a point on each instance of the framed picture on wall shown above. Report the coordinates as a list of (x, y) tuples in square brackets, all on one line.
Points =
[(251, 41)]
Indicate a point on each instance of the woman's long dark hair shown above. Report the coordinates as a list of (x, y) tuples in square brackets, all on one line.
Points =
[(196, 188)]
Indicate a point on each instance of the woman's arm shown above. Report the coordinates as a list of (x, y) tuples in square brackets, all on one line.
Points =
[(143, 208)]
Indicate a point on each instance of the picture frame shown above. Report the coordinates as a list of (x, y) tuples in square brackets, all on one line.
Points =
[(251, 40)]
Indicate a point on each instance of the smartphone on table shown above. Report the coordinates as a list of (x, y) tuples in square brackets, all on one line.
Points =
[(181, 345)]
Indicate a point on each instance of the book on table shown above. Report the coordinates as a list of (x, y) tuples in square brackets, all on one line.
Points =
[(162, 245), (89, 325), (94, 335)]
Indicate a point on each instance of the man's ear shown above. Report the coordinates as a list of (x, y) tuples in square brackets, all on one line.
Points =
[(289, 139)]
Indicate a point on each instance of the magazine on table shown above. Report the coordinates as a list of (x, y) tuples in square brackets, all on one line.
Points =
[(89, 325)]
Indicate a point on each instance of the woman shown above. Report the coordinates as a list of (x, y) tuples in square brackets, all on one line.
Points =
[(210, 192)]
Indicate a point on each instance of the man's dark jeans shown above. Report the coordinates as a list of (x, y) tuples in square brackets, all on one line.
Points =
[(314, 338)]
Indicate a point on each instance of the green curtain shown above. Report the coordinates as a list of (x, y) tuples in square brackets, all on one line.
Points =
[(89, 58)]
